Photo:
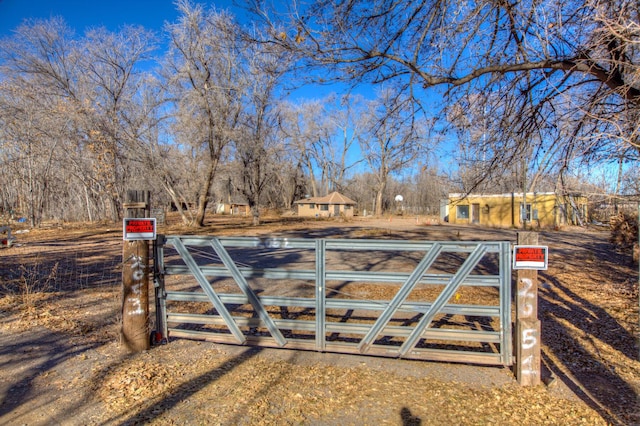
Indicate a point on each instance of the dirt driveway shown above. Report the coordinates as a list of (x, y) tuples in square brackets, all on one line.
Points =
[(61, 361)]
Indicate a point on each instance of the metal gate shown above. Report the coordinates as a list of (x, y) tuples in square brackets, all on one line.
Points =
[(444, 301)]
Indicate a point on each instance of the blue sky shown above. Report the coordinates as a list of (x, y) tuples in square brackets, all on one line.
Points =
[(83, 14)]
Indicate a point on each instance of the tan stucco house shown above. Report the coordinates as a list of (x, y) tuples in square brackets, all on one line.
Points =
[(542, 209), (332, 205)]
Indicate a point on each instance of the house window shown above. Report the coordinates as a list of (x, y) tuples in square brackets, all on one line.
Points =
[(462, 212), (347, 207), (312, 206), (525, 212), (324, 207)]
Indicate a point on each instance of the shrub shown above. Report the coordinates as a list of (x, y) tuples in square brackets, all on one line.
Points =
[(624, 232)]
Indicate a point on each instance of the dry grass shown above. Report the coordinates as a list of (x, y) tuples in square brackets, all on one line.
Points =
[(63, 336)]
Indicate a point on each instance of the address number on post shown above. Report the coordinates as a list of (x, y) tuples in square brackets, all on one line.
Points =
[(139, 229), (530, 257)]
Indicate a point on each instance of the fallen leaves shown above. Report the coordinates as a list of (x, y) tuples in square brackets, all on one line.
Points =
[(589, 316)]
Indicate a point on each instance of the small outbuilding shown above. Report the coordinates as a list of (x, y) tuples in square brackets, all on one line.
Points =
[(237, 209), (541, 209), (332, 205)]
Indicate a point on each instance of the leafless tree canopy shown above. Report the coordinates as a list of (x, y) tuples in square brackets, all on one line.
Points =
[(81, 101), (548, 81), (523, 96), (392, 139)]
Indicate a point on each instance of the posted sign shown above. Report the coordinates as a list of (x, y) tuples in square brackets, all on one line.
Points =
[(530, 257), (139, 228)]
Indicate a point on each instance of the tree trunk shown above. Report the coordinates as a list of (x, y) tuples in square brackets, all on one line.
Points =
[(115, 210), (255, 213), (177, 202), (379, 194), (88, 203), (202, 208), (203, 198)]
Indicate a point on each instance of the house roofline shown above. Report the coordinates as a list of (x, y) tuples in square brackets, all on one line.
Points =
[(505, 195)]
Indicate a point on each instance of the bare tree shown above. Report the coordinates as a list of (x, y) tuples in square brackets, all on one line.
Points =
[(324, 134), (393, 139), (45, 50), (302, 132), (112, 87), (90, 85), (630, 183), (39, 69), (429, 187), (29, 146), (361, 188), (206, 82), (345, 117), (257, 148), (291, 182), (561, 74)]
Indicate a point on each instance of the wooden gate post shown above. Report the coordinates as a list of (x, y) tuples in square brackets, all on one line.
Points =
[(527, 338), (135, 278)]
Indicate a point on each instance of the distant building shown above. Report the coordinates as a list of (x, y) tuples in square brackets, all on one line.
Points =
[(237, 209), (332, 205), (541, 209)]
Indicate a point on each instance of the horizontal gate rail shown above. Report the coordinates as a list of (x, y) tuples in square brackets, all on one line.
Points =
[(383, 277), (435, 333), (236, 299), (312, 294)]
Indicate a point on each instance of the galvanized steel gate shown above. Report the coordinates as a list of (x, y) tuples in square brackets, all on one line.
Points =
[(445, 301)]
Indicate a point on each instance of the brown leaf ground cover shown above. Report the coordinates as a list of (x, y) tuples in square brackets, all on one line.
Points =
[(61, 361)]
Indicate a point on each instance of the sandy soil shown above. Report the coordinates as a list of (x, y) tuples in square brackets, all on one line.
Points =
[(61, 361)]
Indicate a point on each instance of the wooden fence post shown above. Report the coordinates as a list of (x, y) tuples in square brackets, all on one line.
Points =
[(135, 278), (527, 338)]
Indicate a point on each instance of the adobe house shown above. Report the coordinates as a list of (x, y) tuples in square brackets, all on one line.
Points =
[(541, 209), (332, 205)]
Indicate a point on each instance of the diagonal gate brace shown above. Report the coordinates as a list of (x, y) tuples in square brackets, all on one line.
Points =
[(443, 298), (400, 297), (244, 286), (209, 291)]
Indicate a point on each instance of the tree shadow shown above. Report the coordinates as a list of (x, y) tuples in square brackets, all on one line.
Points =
[(408, 419), (184, 391), (27, 357), (590, 318), (586, 374), (63, 268)]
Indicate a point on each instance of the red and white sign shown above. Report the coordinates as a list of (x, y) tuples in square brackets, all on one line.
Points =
[(139, 228), (530, 257)]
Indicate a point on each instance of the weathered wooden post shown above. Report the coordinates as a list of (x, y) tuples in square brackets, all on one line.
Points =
[(528, 258), (135, 271)]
